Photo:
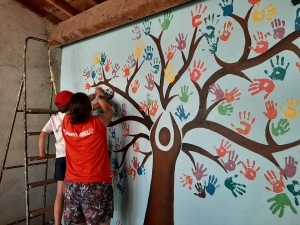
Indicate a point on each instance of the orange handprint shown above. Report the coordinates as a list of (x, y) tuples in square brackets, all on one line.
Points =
[(228, 28), (224, 149), (154, 108), (298, 66), (125, 127), (247, 126), (108, 65), (262, 85), (135, 87), (198, 14), (187, 180), (87, 86), (233, 95), (265, 14), (126, 70), (250, 173), (195, 74), (278, 185), (144, 107), (262, 45), (136, 146), (271, 111), (131, 171), (171, 52)]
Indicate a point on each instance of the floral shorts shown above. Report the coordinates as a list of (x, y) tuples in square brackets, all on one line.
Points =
[(92, 203)]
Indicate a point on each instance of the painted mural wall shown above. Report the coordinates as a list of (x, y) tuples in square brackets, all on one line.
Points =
[(206, 102)]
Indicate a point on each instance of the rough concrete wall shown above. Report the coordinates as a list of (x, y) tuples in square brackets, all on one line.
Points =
[(17, 23)]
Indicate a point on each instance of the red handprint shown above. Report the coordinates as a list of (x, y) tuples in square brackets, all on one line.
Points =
[(247, 125), (150, 81), (298, 66), (271, 111), (187, 180), (278, 185), (262, 45), (260, 85), (154, 108), (171, 52), (250, 173), (132, 172), (126, 70), (290, 167), (254, 1), (136, 146), (195, 74), (199, 171), (278, 28), (228, 28), (135, 87), (125, 127), (144, 107), (181, 41), (198, 14), (224, 149), (233, 95), (108, 65)]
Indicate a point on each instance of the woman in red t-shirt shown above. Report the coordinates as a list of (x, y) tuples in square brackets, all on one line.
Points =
[(89, 193)]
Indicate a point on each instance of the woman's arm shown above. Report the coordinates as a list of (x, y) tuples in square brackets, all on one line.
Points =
[(108, 113)]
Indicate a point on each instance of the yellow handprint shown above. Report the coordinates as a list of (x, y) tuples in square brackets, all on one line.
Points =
[(265, 14), (291, 111), (96, 58), (170, 77), (139, 46)]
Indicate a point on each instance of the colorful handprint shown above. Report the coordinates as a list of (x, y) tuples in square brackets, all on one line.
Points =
[(278, 28), (227, 7), (199, 171), (171, 52), (225, 109), (167, 20), (132, 61), (115, 70), (291, 112), (262, 44), (181, 114), (260, 85), (126, 70), (135, 86), (265, 14), (245, 122), (197, 71), (231, 163), (186, 180), (227, 30), (147, 26), (290, 167), (217, 91), (125, 128), (201, 190), (169, 73), (271, 110), (196, 18), (136, 32), (281, 201), (234, 187), (155, 65), (278, 72), (292, 188), (96, 58), (250, 172), (282, 127), (148, 53), (223, 149), (181, 41), (150, 81), (139, 47), (154, 108), (233, 95), (277, 185), (184, 94), (211, 186)]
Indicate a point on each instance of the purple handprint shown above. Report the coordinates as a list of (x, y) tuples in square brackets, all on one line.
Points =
[(100, 74), (290, 167), (199, 172), (231, 164), (135, 163), (150, 81), (86, 73), (115, 70), (132, 61), (217, 91), (181, 41), (136, 32), (278, 28)]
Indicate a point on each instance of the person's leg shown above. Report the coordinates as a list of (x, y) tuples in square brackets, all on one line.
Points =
[(59, 202)]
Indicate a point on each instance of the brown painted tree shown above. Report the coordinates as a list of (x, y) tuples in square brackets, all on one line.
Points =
[(161, 194)]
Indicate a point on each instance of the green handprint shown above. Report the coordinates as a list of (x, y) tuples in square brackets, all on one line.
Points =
[(282, 127), (210, 26), (225, 109), (167, 20), (149, 100), (281, 200), (278, 72), (116, 110), (184, 94), (103, 58), (110, 144)]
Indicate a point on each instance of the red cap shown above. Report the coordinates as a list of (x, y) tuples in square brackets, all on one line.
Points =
[(62, 98)]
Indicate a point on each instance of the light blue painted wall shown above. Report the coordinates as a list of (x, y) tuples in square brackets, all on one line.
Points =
[(221, 207)]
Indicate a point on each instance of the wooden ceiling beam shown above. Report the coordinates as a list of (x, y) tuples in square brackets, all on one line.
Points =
[(105, 16), (63, 6)]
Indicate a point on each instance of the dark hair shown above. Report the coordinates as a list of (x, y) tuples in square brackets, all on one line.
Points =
[(79, 108), (63, 109)]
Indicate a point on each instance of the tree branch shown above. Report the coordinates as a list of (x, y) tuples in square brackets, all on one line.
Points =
[(137, 68), (147, 155), (269, 137)]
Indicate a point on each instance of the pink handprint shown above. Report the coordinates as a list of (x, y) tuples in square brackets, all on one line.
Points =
[(135, 163), (117, 144), (262, 45), (231, 163), (247, 126), (100, 74), (260, 85), (199, 171), (290, 167), (171, 52), (217, 91), (125, 127), (144, 107), (123, 110), (196, 19), (233, 95), (278, 28), (126, 70), (228, 28), (154, 108), (186, 180), (135, 87), (181, 41), (224, 149), (250, 173), (195, 74), (136, 146), (150, 81), (137, 33), (86, 73), (115, 70), (132, 61)]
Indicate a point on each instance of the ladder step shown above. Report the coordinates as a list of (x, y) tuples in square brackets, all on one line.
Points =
[(41, 211), (38, 111), (19, 166), (35, 133), (41, 183), (34, 158)]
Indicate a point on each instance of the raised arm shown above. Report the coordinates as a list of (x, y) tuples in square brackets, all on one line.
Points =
[(108, 113)]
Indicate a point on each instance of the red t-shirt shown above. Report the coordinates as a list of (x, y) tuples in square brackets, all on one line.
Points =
[(86, 151)]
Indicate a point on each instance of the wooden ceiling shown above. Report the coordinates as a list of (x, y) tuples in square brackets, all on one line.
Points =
[(57, 11)]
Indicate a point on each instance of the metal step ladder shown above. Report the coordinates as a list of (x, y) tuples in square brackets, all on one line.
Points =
[(33, 160)]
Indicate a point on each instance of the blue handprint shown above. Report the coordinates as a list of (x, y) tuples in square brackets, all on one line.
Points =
[(147, 25), (120, 187), (103, 58), (297, 20), (112, 132), (211, 186), (115, 163), (155, 65), (234, 187), (122, 174), (93, 73), (149, 53), (140, 170), (181, 114), (278, 72), (227, 7)]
